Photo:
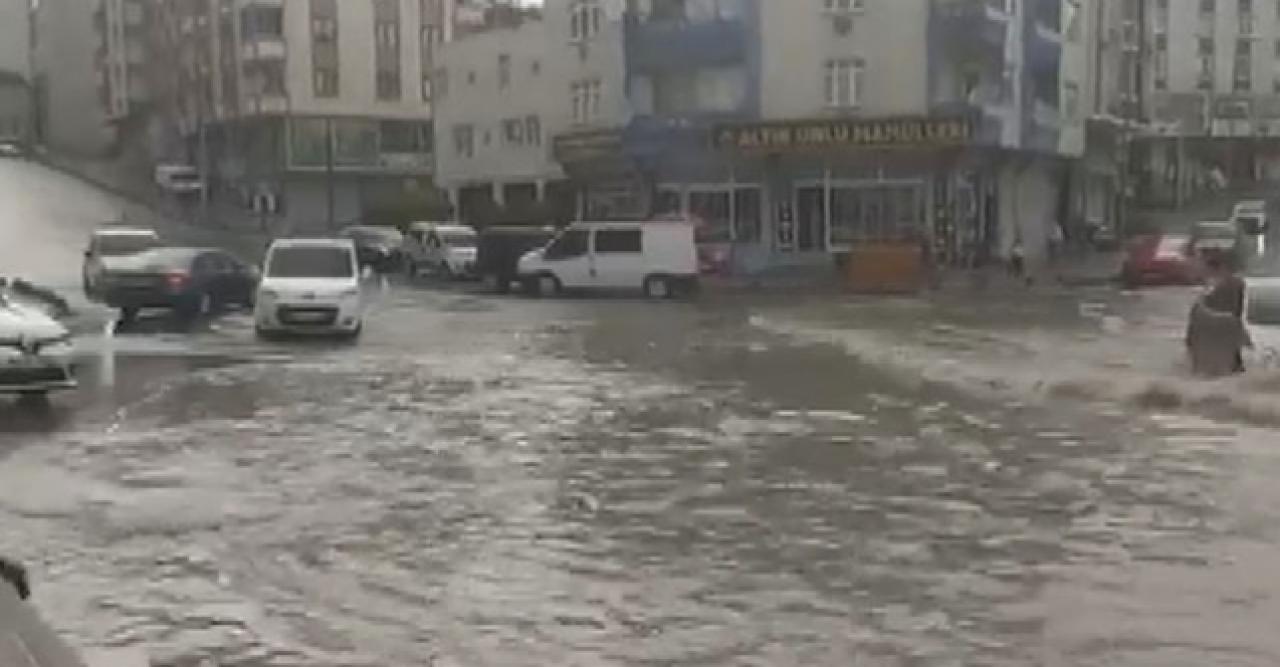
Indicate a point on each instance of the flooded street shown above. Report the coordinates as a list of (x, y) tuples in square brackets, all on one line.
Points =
[(502, 481)]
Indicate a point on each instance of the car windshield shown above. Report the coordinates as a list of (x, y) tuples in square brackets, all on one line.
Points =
[(310, 262), (112, 245), (459, 239)]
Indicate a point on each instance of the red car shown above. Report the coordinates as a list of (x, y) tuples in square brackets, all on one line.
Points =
[(1162, 259)]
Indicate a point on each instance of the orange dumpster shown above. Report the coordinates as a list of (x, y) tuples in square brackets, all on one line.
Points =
[(885, 268)]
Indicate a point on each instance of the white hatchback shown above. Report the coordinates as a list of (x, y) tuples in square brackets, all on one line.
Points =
[(310, 286), (35, 349)]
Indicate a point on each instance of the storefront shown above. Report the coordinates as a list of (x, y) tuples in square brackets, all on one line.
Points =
[(807, 192)]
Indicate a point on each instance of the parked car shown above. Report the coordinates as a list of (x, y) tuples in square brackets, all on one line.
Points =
[(191, 282), (500, 248), (108, 245), (10, 148), (310, 286), (1262, 315), (1253, 225), (659, 257), (378, 248), (179, 179), (35, 349), (443, 248), (1156, 260)]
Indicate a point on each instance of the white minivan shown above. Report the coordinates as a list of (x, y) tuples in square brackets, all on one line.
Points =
[(445, 249), (658, 257), (310, 286)]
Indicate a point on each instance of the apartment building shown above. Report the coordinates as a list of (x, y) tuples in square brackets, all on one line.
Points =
[(1210, 90), (315, 109), (121, 63), (798, 130), (498, 103), (16, 96), (67, 43)]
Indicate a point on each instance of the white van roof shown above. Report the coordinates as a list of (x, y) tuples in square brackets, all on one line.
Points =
[(441, 226), (312, 243)]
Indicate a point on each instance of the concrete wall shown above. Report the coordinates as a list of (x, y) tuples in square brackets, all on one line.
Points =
[(1028, 200), (799, 37), (15, 111), (536, 89), (71, 113), (1075, 79)]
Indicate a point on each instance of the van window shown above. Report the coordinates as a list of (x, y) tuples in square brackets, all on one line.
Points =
[(572, 243), (617, 240), (310, 262)]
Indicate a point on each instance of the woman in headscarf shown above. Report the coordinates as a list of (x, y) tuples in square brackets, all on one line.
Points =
[(1216, 333)]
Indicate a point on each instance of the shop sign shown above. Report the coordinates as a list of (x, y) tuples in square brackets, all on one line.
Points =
[(918, 132), (579, 147)]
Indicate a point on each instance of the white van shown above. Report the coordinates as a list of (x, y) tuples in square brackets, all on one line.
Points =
[(179, 179), (446, 249), (310, 286), (658, 257)]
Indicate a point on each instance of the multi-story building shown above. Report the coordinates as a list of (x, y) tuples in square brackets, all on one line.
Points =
[(16, 99), (796, 131), (498, 103), (122, 32), (318, 108), (70, 114), (1207, 81)]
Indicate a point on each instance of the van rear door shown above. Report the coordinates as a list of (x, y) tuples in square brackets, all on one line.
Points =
[(619, 256)]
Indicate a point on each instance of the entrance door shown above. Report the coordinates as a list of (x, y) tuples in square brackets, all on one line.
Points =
[(811, 219)]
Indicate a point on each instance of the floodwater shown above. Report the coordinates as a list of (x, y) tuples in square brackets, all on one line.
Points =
[(487, 481)]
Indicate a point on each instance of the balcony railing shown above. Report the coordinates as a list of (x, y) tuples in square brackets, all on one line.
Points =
[(263, 47), (668, 44)]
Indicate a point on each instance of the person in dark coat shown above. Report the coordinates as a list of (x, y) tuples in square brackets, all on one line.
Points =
[(1216, 332)]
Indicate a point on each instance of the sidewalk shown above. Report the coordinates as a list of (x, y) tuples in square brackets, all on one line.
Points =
[(228, 226)]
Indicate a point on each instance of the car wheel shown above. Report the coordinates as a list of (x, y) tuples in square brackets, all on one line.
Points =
[(128, 315), (549, 284), (264, 334), (658, 287), (353, 335)]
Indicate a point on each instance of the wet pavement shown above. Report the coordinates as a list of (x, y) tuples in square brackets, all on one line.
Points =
[(501, 481)]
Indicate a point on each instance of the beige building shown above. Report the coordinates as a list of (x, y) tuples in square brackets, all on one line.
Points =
[(71, 115), (317, 109), (16, 89)]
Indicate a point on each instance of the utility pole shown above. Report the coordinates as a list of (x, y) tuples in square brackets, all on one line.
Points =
[(328, 168)]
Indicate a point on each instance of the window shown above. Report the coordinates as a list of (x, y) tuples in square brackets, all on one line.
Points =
[(610, 241), (326, 82), (533, 130), (513, 132), (440, 83), (464, 140), (426, 88), (1161, 78), (324, 28), (1245, 15), (504, 70), (572, 243), (585, 17), (388, 84), (585, 97), (842, 5), (1242, 77), (1072, 18), (1207, 8), (535, 68), (387, 34), (1070, 99), (843, 82)]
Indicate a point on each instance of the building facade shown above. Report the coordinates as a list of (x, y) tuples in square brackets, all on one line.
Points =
[(16, 90), (317, 110), (68, 85), (797, 131), (498, 102), (1209, 92)]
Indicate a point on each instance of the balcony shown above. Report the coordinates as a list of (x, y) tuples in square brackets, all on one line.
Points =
[(263, 47), (970, 26), (1043, 48), (672, 44)]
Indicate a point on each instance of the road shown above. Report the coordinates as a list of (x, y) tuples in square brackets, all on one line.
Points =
[(502, 481)]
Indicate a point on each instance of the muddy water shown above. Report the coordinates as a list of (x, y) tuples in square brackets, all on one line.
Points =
[(624, 486)]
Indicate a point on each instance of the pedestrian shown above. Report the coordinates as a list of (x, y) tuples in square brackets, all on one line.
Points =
[(1017, 260), (1216, 331)]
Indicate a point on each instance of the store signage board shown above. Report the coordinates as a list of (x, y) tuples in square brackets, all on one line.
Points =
[(835, 134)]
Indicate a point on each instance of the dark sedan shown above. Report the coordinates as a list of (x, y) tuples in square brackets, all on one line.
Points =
[(376, 247), (191, 282)]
